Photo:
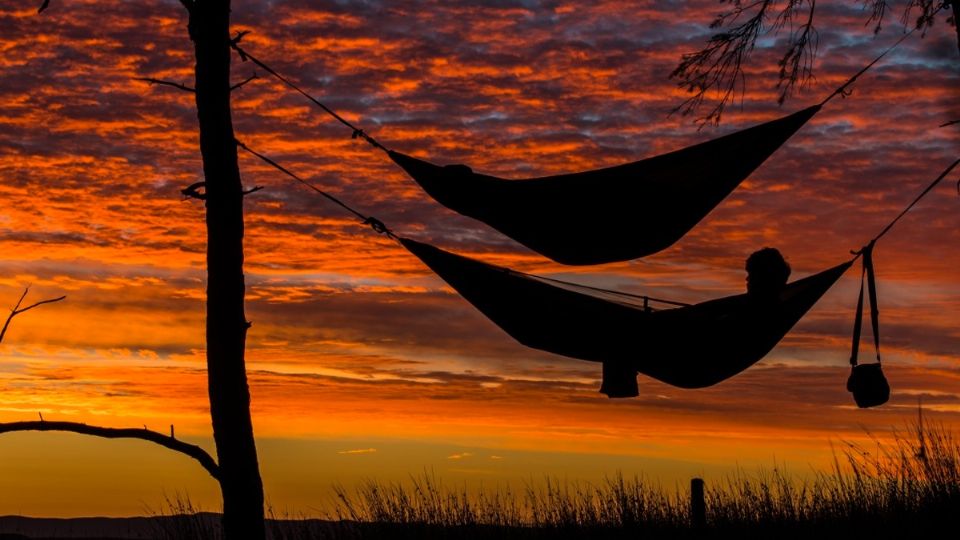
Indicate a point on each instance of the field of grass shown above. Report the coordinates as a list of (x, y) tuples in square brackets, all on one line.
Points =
[(906, 488)]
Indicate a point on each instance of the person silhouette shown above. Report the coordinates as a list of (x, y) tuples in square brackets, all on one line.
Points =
[(767, 273)]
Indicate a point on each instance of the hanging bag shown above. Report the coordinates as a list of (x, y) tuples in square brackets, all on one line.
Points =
[(867, 382)]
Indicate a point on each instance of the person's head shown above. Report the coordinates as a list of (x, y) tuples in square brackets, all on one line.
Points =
[(767, 271)]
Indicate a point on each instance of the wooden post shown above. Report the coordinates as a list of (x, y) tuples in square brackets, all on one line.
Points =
[(698, 506)]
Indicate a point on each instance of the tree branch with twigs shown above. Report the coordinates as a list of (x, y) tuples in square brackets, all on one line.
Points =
[(17, 310), (167, 441), (171, 84), (241, 84), (716, 73), (719, 67)]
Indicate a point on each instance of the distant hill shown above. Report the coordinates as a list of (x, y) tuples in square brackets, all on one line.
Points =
[(99, 528)]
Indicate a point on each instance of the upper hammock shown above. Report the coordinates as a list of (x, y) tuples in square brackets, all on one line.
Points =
[(613, 214), (689, 346), (604, 215)]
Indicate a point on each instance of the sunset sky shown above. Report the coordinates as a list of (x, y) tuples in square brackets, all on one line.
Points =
[(362, 363)]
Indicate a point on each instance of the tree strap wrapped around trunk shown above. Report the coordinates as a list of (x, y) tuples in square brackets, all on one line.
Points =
[(867, 382)]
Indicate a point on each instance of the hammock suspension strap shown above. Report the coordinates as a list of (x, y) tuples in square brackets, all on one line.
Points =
[(357, 132), (373, 222), (917, 199), (844, 90)]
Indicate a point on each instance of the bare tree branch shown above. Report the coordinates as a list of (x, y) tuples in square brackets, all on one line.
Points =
[(796, 66), (178, 86), (950, 123), (18, 310), (20, 301), (193, 191), (45, 5), (928, 9), (715, 73), (718, 65), (241, 83), (878, 11), (193, 451)]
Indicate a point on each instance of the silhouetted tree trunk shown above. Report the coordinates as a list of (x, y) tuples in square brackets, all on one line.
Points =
[(238, 471), (240, 481)]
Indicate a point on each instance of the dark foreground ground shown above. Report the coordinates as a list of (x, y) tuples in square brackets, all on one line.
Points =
[(204, 526), (903, 490)]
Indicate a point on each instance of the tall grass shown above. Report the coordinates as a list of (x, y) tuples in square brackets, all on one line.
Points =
[(552, 506), (907, 487), (181, 519)]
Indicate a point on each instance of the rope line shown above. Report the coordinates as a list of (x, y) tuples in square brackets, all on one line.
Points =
[(373, 222), (842, 90), (867, 273), (910, 206), (381, 228), (357, 132)]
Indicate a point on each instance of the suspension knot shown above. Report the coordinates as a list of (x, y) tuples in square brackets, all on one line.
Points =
[(235, 44), (358, 134), (236, 39), (377, 225), (865, 250)]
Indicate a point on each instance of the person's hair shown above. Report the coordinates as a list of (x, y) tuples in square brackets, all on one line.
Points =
[(767, 270)]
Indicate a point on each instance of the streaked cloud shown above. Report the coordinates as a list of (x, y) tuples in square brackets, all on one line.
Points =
[(359, 451)]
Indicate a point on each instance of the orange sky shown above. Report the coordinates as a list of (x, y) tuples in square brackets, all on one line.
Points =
[(354, 344)]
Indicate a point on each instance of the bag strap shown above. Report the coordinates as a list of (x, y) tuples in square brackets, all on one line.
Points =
[(872, 290), (857, 324), (867, 273)]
